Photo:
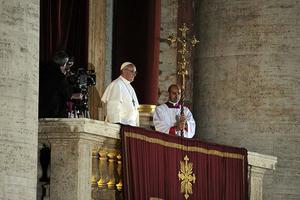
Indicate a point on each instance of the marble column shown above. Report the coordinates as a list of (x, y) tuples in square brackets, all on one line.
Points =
[(246, 82), (97, 53), (19, 78)]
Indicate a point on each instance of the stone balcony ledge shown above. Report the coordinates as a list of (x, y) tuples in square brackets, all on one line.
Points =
[(76, 127), (261, 160)]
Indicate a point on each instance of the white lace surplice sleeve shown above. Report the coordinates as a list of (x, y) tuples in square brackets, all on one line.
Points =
[(160, 120), (191, 124)]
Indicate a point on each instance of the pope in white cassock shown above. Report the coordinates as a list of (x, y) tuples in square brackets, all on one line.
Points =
[(120, 98), (167, 117)]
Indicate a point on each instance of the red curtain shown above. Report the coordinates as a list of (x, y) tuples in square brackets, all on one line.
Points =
[(158, 165), (64, 26)]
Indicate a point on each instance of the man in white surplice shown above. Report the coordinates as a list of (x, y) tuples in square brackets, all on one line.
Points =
[(167, 117), (120, 98)]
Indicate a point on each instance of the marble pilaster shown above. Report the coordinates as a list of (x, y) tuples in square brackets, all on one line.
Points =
[(19, 78), (258, 165)]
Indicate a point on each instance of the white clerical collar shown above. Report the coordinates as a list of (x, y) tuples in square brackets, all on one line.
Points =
[(125, 80), (174, 104)]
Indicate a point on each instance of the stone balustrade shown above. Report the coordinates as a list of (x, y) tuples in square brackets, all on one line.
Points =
[(83, 156), (85, 161)]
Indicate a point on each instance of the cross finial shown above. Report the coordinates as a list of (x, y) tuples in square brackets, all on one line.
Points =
[(184, 45)]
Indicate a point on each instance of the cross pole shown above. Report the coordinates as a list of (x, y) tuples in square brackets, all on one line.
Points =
[(185, 45)]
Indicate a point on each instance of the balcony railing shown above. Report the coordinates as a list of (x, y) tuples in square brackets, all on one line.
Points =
[(80, 160)]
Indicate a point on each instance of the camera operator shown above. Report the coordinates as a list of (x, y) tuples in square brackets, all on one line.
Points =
[(55, 89)]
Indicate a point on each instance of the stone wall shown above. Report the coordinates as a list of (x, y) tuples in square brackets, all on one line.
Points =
[(19, 58), (247, 83), (168, 55)]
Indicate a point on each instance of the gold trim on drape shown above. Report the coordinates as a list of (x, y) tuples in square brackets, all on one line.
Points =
[(182, 147)]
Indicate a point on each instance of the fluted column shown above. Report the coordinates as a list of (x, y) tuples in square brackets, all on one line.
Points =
[(246, 86), (19, 78)]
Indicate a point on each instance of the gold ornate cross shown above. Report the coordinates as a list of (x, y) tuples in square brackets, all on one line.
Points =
[(185, 45), (187, 177)]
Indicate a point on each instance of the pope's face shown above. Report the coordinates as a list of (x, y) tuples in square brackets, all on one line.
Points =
[(174, 94), (129, 73)]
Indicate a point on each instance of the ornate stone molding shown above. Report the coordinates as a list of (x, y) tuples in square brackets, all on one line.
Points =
[(261, 160), (77, 128)]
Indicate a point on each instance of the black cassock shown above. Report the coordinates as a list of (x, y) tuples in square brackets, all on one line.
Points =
[(54, 92)]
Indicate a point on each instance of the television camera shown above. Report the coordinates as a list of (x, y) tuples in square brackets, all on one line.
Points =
[(80, 81)]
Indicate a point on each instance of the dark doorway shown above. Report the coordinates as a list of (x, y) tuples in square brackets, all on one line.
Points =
[(136, 39), (64, 26)]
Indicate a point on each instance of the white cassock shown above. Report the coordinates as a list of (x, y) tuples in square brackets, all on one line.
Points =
[(121, 103), (166, 116)]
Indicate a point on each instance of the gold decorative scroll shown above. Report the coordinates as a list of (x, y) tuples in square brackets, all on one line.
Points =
[(187, 177)]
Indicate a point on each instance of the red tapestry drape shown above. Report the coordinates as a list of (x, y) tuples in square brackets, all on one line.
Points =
[(64, 26), (160, 166)]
